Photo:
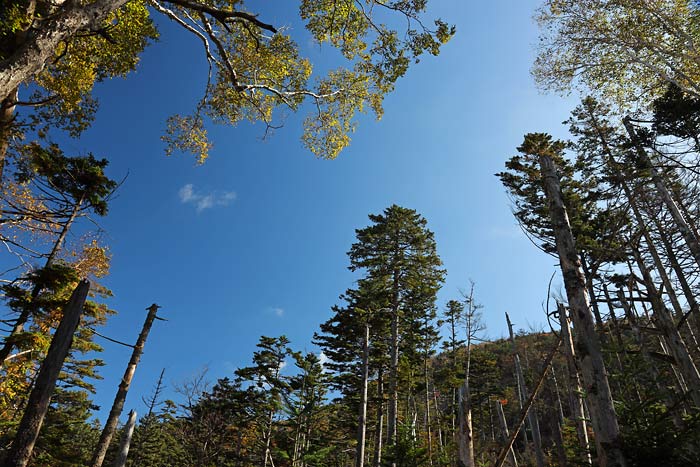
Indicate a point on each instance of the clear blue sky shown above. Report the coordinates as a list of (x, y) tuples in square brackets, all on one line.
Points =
[(269, 255)]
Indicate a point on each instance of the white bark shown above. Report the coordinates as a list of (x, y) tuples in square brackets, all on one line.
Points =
[(120, 460)]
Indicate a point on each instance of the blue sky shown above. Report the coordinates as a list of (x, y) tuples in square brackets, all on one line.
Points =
[(254, 241)]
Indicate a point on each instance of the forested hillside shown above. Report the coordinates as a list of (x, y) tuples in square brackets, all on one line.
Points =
[(403, 369)]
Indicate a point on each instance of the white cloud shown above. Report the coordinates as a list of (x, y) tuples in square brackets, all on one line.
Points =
[(278, 311), (186, 193), (202, 201), (322, 358)]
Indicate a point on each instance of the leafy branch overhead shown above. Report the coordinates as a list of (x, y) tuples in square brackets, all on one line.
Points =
[(256, 70)]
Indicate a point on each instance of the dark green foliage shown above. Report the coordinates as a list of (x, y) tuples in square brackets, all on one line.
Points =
[(79, 179), (407, 452), (652, 439), (67, 436), (677, 114)]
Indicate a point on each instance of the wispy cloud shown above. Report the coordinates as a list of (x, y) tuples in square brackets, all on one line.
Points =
[(202, 201), (278, 311)]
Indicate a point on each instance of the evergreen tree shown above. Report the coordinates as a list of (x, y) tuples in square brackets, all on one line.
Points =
[(402, 272)]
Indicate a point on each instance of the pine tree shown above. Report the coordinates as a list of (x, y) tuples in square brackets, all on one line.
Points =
[(398, 256)]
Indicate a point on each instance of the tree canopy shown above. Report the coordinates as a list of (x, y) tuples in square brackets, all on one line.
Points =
[(56, 52)]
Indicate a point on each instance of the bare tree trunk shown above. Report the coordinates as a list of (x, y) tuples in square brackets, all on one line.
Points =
[(532, 419), (680, 275), (120, 460), (380, 420), (594, 304), (575, 390), (362, 419), (118, 404), (40, 397), (428, 428), (465, 435), (267, 456), (506, 437), (688, 235), (393, 411), (439, 417), (556, 419), (664, 322), (660, 268), (509, 444), (600, 400)]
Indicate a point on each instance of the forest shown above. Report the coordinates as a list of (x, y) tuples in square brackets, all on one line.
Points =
[(402, 369)]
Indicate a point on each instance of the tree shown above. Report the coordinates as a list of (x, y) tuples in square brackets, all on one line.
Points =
[(110, 426), (539, 150), (265, 376), (625, 51), (398, 255), (255, 67), (69, 187), (39, 399), (303, 404), (472, 327)]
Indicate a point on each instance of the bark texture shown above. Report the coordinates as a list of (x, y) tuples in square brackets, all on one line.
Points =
[(40, 397), (599, 397), (117, 406)]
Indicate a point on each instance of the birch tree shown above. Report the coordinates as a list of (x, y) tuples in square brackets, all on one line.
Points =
[(256, 71)]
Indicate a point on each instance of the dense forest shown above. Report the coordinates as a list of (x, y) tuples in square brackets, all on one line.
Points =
[(397, 377)]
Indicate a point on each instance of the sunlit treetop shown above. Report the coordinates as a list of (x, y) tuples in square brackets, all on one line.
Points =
[(258, 73), (61, 95), (623, 51), (256, 70)]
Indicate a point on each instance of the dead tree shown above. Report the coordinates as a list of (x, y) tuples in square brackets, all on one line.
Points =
[(532, 419), (600, 402), (40, 397), (521, 421), (688, 235), (575, 390), (120, 460), (506, 433), (118, 404)]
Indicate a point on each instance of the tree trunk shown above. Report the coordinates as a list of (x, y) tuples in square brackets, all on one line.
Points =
[(664, 321), (27, 311), (7, 116), (394, 369), (31, 57), (506, 434), (594, 304), (40, 397), (680, 275), (521, 421), (575, 390), (688, 235), (661, 271), (428, 428), (118, 404), (465, 435), (120, 461), (532, 419), (600, 400), (362, 419), (379, 436)]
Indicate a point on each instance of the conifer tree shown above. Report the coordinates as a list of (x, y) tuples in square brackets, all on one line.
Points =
[(398, 256)]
